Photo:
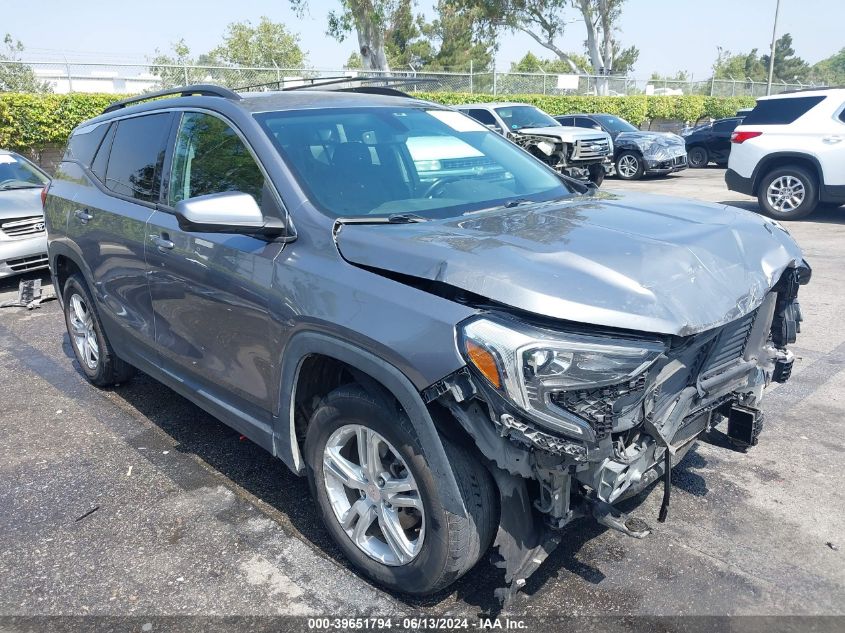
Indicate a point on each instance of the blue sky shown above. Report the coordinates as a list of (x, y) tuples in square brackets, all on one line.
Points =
[(671, 34)]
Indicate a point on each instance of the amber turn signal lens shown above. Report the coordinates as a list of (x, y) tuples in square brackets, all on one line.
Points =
[(484, 361)]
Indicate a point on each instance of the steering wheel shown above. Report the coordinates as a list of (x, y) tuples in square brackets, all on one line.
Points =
[(434, 188), (8, 180)]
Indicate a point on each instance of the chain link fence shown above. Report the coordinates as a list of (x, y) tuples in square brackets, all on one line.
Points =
[(136, 78)]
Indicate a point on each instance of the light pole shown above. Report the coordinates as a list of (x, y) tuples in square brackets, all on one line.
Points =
[(772, 52)]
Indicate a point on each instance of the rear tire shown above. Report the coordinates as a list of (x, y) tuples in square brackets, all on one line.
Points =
[(698, 157), (95, 355), (629, 166), (443, 546), (788, 193)]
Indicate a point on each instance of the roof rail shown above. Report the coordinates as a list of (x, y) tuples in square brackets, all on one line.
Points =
[(343, 83), (205, 90), (807, 89)]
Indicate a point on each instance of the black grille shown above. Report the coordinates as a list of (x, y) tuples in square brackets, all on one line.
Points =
[(730, 343)]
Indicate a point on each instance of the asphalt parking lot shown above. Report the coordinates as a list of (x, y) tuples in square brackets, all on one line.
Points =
[(132, 501)]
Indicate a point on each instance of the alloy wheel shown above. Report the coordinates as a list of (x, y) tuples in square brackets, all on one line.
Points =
[(628, 166), (82, 331), (373, 495), (786, 193)]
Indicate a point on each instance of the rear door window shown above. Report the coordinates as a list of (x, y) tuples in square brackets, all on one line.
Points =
[(781, 111), (483, 116), (137, 154)]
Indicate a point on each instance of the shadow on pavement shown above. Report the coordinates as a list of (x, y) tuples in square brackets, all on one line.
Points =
[(824, 213), (257, 472)]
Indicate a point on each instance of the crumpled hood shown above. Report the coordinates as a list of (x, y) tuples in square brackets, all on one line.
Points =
[(664, 139), (20, 203), (647, 263)]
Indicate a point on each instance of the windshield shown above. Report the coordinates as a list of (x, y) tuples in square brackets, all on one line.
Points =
[(383, 161), (518, 117), (614, 124), (18, 173)]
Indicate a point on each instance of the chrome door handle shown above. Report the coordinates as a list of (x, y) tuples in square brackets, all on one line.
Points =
[(832, 139), (162, 243), (83, 216)]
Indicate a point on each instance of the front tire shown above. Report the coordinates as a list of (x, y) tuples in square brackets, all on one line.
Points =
[(629, 166), (597, 174), (99, 363), (788, 193), (698, 157), (382, 504)]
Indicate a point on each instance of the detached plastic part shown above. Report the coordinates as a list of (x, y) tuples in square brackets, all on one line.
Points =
[(745, 425), (30, 295)]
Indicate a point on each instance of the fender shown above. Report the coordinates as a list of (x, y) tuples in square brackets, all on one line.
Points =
[(306, 343), (66, 248), (763, 167)]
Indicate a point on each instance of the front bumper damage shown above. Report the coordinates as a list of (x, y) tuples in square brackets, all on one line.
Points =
[(580, 160), (633, 433)]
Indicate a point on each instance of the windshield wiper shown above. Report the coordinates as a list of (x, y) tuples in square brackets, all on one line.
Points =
[(11, 187), (405, 218), (510, 204)]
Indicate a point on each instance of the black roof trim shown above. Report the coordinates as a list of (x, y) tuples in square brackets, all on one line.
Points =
[(817, 89), (344, 84), (205, 90)]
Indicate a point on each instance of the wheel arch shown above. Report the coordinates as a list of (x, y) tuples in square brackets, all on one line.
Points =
[(777, 160), (315, 351), (65, 261)]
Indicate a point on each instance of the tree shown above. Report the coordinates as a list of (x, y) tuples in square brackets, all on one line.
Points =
[(530, 63), (754, 67), (830, 71), (454, 43), (267, 44), (14, 76), (605, 52), (368, 18), (542, 20), (787, 67)]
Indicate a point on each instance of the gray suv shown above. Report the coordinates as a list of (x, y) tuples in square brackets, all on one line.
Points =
[(454, 361)]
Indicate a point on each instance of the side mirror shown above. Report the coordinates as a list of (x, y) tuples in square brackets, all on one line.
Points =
[(493, 127), (228, 212)]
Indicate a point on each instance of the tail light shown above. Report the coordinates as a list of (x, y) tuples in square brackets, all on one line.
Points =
[(44, 196), (741, 137)]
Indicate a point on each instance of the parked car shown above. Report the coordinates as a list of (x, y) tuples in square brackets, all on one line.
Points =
[(23, 241), (635, 153), (790, 152), (711, 143), (445, 360), (579, 154)]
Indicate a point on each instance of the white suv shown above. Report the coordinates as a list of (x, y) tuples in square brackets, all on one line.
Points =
[(790, 152)]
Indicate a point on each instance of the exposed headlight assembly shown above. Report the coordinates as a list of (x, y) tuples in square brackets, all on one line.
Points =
[(527, 364)]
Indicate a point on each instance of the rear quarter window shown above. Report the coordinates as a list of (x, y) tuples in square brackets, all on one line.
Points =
[(84, 143), (781, 111)]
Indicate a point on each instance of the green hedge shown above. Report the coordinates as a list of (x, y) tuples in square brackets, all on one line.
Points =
[(35, 121), (637, 109)]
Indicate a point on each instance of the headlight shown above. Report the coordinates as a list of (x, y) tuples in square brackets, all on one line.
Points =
[(527, 365)]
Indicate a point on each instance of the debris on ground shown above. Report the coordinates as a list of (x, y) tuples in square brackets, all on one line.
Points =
[(89, 513), (30, 295), (832, 546)]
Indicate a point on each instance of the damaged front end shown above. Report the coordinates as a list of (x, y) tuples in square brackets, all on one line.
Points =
[(582, 158), (573, 422)]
